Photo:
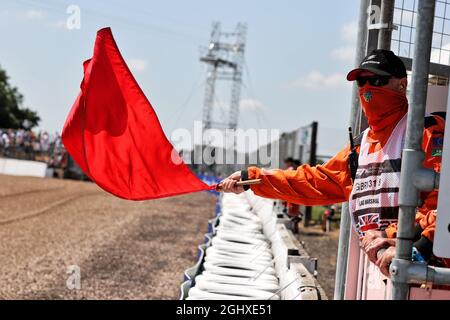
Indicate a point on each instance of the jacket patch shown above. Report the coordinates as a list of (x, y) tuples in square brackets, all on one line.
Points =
[(368, 222), (437, 152), (437, 142)]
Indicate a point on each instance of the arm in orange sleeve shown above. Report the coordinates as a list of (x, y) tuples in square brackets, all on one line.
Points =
[(433, 137), (429, 205), (391, 230), (308, 185), (426, 213), (425, 244)]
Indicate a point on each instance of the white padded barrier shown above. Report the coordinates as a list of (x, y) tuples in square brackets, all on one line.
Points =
[(239, 263), (23, 167), (248, 257)]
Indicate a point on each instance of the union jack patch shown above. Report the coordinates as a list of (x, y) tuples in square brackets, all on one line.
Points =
[(368, 222)]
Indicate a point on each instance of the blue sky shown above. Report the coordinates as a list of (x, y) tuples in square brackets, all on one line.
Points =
[(297, 54)]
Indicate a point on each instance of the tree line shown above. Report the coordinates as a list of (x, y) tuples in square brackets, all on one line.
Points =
[(12, 113)]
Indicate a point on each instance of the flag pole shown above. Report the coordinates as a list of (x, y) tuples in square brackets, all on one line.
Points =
[(241, 183), (248, 182)]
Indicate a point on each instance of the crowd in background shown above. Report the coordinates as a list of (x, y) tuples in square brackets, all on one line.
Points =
[(29, 145)]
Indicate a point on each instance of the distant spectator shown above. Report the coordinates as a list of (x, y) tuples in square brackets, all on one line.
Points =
[(28, 145), (289, 163), (297, 163), (327, 217)]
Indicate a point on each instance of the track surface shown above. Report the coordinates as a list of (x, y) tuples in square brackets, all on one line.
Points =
[(125, 249)]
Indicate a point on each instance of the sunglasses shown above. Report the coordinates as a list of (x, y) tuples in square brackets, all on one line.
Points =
[(376, 81)]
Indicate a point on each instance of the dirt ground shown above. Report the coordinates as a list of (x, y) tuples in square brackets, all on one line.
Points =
[(124, 249), (322, 246)]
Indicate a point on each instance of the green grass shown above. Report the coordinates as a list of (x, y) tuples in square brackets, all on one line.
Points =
[(317, 212)]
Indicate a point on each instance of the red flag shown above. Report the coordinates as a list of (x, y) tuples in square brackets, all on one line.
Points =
[(114, 135)]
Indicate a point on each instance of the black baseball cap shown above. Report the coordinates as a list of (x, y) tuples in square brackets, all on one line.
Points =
[(382, 63)]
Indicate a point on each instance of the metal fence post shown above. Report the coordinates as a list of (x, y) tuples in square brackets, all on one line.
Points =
[(386, 24), (373, 24), (355, 114), (412, 154), (312, 162)]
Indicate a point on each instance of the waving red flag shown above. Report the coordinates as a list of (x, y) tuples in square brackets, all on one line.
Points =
[(114, 135)]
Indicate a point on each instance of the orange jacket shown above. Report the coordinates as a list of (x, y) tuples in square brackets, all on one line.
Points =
[(331, 182), (293, 209)]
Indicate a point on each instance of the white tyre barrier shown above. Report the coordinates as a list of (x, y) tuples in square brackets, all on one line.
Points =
[(249, 274), (247, 258), (249, 250), (245, 281), (250, 246), (233, 289), (254, 235), (229, 224), (240, 265), (241, 221), (198, 294), (263, 256), (242, 230), (242, 258), (258, 284)]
